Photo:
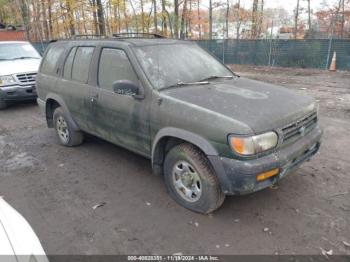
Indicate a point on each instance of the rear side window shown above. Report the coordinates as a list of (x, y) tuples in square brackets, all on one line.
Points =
[(81, 64), (114, 65), (50, 61), (67, 72)]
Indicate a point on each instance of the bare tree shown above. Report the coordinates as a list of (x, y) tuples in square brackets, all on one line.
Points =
[(155, 21), (309, 14), (183, 16), (199, 20), (296, 19), (49, 10), (227, 16), (254, 30), (100, 17), (210, 19), (176, 18)]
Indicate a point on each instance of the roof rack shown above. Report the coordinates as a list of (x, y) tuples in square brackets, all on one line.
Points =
[(138, 35), (87, 36)]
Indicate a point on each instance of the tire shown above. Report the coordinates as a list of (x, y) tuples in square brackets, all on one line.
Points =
[(3, 104), (186, 167), (65, 133)]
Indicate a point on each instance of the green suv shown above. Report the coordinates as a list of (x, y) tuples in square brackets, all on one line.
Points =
[(209, 132)]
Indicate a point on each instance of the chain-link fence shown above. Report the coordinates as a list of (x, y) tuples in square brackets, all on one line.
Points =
[(308, 53)]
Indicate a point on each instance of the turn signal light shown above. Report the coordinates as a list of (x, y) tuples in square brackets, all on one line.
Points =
[(268, 174)]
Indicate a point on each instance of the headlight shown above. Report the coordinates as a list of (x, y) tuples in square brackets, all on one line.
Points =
[(7, 80), (253, 144)]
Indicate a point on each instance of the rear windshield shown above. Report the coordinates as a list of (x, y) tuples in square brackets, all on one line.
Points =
[(167, 65)]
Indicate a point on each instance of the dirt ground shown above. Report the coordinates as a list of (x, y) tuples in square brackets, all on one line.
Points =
[(55, 188)]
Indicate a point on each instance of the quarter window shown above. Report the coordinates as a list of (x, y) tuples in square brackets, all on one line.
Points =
[(81, 64), (67, 73), (114, 66), (50, 61)]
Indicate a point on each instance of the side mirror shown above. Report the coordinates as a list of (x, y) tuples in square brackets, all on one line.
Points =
[(129, 88)]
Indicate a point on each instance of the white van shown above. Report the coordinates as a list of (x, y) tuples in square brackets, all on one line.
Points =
[(19, 63)]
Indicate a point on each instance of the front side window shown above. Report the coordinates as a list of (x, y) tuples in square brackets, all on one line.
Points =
[(67, 73), (169, 64), (114, 66), (50, 61), (81, 64)]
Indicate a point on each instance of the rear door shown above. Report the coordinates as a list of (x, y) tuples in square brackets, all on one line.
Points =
[(74, 87), (121, 119)]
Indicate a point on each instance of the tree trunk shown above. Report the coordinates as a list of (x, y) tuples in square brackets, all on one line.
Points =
[(227, 16), (296, 20), (142, 16), (155, 21), (49, 9), (176, 18), (70, 16), (134, 12), (25, 17), (199, 21), (125, 16), (45, 26), (164, 24), (189, 19), (309, 14), (261, 18), (94, 15), (210, 19), (342, 20), (100, 17), (183, 16), (255, 20)]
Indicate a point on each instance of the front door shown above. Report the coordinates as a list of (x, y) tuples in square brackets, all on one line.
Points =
[(120, 118)]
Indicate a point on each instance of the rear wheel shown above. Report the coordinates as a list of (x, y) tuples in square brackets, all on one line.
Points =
[(65, 133), (190, 179), (3, 104)]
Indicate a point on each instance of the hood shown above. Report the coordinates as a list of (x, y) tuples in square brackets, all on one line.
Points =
[(19, 66), (259, 105)]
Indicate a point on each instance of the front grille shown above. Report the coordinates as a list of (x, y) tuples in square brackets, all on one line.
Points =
[(299, 128), (26, 78)]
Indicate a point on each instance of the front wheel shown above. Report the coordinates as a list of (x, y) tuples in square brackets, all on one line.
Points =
[(190, 179), (65, 133)]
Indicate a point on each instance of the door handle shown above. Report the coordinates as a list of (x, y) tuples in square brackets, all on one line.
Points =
[(94, 98)]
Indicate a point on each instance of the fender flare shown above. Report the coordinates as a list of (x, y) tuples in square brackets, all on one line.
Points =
[(185, 135), (64, 107)]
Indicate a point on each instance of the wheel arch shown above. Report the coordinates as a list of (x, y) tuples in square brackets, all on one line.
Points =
[(168, 137), (53, 101)]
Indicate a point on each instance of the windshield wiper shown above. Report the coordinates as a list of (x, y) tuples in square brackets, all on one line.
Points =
[(216, 77), (185, 84), (25, 57)]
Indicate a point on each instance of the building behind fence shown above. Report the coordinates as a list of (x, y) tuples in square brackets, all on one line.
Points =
[(308, 53)]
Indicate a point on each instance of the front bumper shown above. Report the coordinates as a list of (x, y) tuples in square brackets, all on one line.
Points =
[(238, 177), (18, 93)]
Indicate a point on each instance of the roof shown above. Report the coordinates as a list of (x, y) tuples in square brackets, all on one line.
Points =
[(131, 41), (13, 42)]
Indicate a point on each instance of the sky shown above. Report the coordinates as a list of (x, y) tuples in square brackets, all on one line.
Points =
[(289, 5)]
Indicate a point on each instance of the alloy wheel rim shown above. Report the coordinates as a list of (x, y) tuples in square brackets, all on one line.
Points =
[(186, 181)]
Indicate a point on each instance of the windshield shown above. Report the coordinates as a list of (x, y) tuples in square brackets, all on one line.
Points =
[(169, 65), (13, 51)]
